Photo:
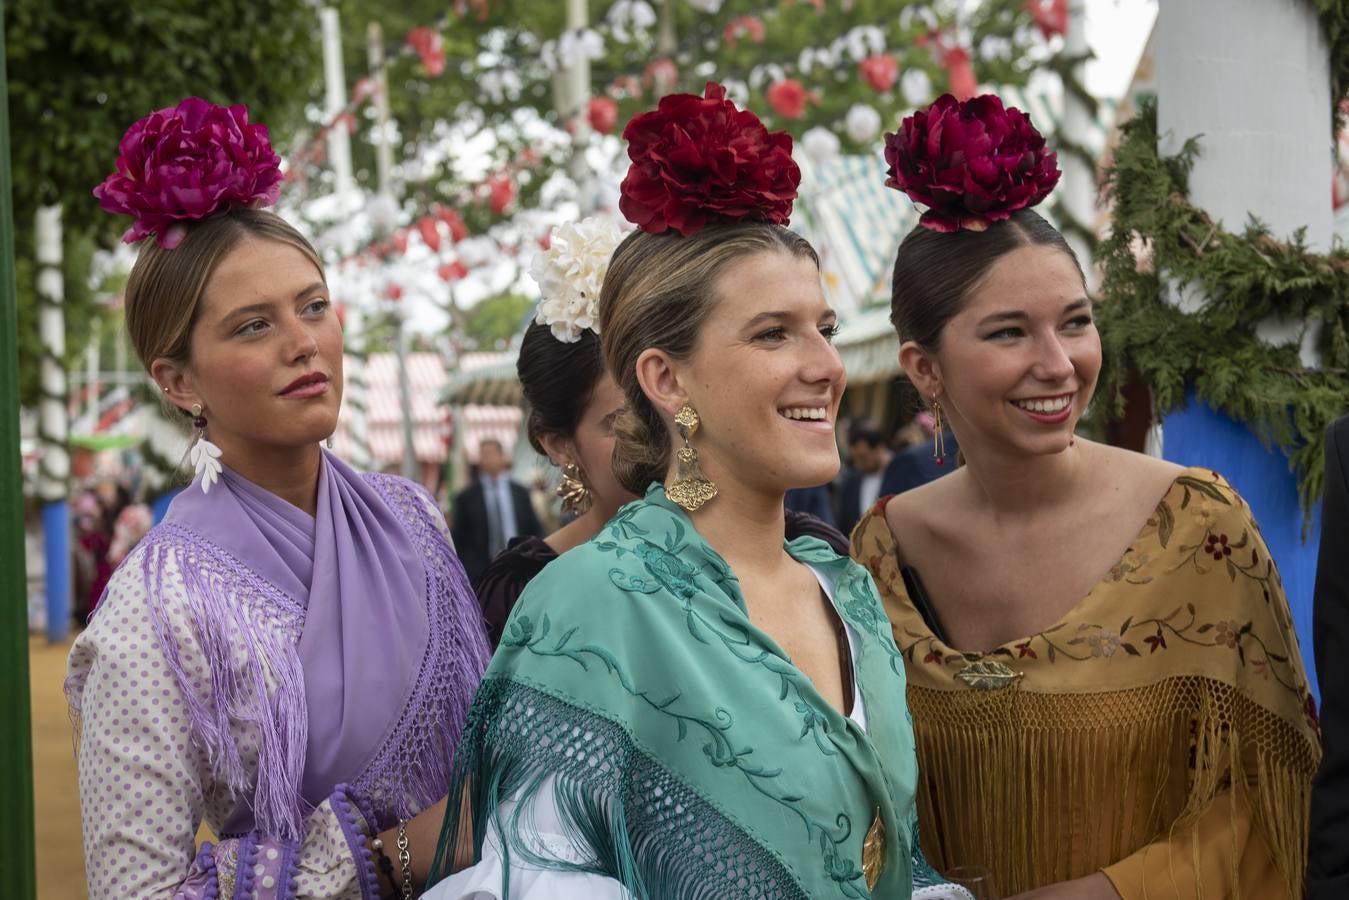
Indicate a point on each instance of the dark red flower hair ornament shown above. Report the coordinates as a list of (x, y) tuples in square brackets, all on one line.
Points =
[(970, 162), (189, 162), (700, 160)]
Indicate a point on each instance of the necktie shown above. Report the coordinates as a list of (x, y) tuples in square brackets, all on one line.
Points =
[(496, 540)]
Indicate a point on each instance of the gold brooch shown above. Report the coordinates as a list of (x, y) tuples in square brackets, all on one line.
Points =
[(873, 852), (989, 675)]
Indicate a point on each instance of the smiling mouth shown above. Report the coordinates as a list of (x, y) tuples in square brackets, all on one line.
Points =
[(1045, 405), (805, 413)]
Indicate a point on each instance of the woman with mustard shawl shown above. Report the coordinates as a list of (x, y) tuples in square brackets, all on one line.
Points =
[(1107, 693), (687, 705)]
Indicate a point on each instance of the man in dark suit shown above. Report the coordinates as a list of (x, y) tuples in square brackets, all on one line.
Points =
[(1328, 855), (491, 511), (868, 458), (915, 466)]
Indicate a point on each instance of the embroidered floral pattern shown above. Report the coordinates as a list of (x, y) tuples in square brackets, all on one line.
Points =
[(1227, 548), (672, 574), (1103, 643), (720, 748), (1225, 633), (676, 570)]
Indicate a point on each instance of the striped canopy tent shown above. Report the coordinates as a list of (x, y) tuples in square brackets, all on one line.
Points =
[(484, 379), (477, 423), (855, 223), (484, 395), (431, 429)]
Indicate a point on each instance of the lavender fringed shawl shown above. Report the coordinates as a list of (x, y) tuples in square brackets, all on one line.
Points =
[(375, 691)]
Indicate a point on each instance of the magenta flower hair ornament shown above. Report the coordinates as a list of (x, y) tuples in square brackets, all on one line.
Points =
[(970, 163), (186, 163)]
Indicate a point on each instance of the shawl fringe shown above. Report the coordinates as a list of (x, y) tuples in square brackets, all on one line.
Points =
[(220, 604), (629, 817), (1089, 759)]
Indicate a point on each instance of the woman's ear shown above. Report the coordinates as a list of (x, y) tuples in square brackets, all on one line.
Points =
[(922, 368), (175, 383), (659, 378), (561, 450)]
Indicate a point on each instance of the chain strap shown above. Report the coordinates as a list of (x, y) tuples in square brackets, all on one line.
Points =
[(405, 858)]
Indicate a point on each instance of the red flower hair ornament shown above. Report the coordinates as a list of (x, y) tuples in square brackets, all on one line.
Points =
[(186, 163), (970, 162), (700, 160)]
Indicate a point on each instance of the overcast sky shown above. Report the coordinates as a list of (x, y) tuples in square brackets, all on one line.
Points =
[(1116, 32)]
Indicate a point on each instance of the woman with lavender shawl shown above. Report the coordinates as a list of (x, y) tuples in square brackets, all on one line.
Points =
[(289, 656)]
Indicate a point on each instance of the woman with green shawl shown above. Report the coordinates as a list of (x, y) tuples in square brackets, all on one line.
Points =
[(688, 705)]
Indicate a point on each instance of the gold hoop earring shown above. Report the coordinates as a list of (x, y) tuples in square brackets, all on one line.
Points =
[(938, 434), (690, 489), (576, 498)]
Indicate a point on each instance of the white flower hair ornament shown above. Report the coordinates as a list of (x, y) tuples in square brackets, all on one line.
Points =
[(570, 273)]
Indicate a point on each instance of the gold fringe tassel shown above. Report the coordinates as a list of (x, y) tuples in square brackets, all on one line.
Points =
[(1044, 788)]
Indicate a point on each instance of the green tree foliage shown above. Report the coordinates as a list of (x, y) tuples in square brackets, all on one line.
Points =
[(81, 71), (1158, 237), (494, 321), (509, 37), (496, 75)]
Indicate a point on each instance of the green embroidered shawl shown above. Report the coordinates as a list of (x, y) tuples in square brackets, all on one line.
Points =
[(688, 756)]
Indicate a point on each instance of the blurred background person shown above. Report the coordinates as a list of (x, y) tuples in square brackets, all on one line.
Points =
[(491, 511), (869, 458)]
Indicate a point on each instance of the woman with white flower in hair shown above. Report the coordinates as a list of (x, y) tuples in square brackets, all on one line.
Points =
[(572, 405), (693, 703)]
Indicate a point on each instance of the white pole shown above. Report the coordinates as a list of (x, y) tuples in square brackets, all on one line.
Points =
[(53, 422), (339, 139), (383, 145), (383, 170), (665, 47), (1079, 177), (1251, 78), (54, 469), (91, 381), (356, 395), (577, 100), (405, 401)]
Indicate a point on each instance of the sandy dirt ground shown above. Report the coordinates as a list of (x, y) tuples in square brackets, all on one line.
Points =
[(56, 795)]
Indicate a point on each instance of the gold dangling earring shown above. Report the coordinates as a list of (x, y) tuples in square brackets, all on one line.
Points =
[(691, 489), (572, 489), (938, 434)]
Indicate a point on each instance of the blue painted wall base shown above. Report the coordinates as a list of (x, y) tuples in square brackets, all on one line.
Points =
[(160, 505), (56, 542), (1200, 436)]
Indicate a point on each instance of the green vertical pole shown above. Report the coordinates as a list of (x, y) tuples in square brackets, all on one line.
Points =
[(18, 880)]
